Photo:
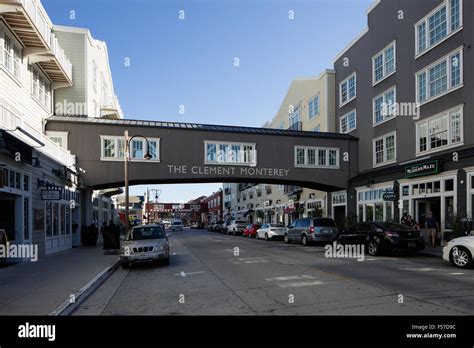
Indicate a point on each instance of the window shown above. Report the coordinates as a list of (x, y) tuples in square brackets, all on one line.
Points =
[(11, 56), (440, 78), (384, 106), (94, 75), (316, 157), (347, 90), (384, 149), (443, 22), (441, 131), (348, 122), (41, 88), (383, 63), (313, 106), (295, 117), (230, 153), (113, 148)]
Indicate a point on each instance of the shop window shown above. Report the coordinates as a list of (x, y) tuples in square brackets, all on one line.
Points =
[(26, 183), (405, 190), (437, 186), (389, 211), (369, 212), (449, 212), (12, 179), (62, 209), (429, 187), (378, 211), (406, 206), (449, 185), (26, 218), (18, 181), (49, 219), (416, 190)]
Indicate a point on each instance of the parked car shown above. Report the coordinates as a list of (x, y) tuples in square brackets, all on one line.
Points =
[(211, 227), (225, 227), (271, 231), (219, 226), (251, 230), (236, 227), (459, 251), (383, 237), (309, 230), (177, 226), (147, 243)]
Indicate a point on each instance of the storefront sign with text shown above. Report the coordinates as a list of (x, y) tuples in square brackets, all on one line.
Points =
[(426, 168)]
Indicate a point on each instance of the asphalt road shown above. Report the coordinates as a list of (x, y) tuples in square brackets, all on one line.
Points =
[(207, 276)]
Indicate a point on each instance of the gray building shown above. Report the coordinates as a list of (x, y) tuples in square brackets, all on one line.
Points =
[(403, 89)]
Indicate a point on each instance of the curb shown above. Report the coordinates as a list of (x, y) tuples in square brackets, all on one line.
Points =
[(67, 307)]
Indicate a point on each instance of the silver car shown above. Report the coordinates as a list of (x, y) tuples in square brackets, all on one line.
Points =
[(271, 231), (148, 243)]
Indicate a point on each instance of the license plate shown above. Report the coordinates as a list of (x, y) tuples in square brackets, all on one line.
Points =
[(412, 245), (143, 257)]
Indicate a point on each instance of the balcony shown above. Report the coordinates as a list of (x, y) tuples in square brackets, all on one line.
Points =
[(10, 120), (297, 126), (110, 107), (30, 23)]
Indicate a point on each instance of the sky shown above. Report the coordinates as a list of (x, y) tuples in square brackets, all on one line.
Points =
[(227, 62)]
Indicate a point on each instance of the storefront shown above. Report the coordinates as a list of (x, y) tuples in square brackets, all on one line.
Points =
[(435, 193), (339, 207), (372, 204)]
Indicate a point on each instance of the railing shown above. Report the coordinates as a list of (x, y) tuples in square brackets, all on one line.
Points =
[(297, 126), (112, 103), (10, 121), (35, 11)]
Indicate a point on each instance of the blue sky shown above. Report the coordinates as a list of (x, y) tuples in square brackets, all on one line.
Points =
[(190, 62)]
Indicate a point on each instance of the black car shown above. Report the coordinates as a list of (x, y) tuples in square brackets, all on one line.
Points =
[(383, 237)]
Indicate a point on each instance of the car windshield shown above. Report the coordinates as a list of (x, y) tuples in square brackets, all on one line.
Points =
[(176, 223), (143, 233), (276, 225), (324, 222), (393, 226)]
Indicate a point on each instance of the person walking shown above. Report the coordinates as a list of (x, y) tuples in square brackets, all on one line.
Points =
[(432, 225)]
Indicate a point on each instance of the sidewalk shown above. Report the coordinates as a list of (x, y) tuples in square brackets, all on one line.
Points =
[(37, 288), (432, 252)]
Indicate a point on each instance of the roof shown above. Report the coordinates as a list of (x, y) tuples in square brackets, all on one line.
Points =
[(198, 126)]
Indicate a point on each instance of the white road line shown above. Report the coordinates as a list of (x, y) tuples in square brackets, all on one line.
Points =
[(184, 274), (290, 278), (299, 284)]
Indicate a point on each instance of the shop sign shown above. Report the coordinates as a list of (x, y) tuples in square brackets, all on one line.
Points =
[(421, 169), (389, 195), (51, 195)]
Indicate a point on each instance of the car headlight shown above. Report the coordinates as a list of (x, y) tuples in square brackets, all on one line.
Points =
[(158, 248)]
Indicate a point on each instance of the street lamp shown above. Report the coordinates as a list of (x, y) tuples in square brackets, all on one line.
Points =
[(147, 156)]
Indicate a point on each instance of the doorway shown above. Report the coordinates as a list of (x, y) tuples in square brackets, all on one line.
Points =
[(7, 215), (339, 215), (424, 206)]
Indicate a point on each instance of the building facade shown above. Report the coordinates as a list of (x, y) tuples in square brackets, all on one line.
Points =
[(308, 106), (44, 70), (404, 89), (215, 207)]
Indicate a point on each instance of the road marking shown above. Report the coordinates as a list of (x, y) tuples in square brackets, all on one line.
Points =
[(299, 284), (304, 276), (174, 253), (184, 274)]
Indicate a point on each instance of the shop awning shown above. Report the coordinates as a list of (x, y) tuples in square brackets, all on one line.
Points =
[(10, 146)]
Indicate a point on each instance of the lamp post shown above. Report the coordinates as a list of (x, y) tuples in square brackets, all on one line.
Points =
[(126, 161)]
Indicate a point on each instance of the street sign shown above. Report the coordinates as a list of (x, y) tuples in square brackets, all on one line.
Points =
[(421, 169), (389, 195), (51, 195)]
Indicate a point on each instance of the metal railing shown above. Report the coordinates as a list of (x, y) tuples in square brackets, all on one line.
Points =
[(37, 14)]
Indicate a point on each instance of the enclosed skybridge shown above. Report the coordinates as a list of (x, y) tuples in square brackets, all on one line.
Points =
[(195, 153)]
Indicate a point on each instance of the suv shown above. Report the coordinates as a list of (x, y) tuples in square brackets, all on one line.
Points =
[(145, 243), (177, 226), (308, 230), (236, 227)]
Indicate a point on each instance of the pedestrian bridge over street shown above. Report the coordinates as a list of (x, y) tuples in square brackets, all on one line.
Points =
[(194, 153)]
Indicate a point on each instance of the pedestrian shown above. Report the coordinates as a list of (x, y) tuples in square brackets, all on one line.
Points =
[(432, 225), (404, 219)]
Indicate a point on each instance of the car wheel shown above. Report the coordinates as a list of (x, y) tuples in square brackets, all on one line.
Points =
[(266, 236), (304, 240), (286, 239), (461, 257), (125, 265), (373, 248)]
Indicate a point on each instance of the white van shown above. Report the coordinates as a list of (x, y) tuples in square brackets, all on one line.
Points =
[(177, 225)]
